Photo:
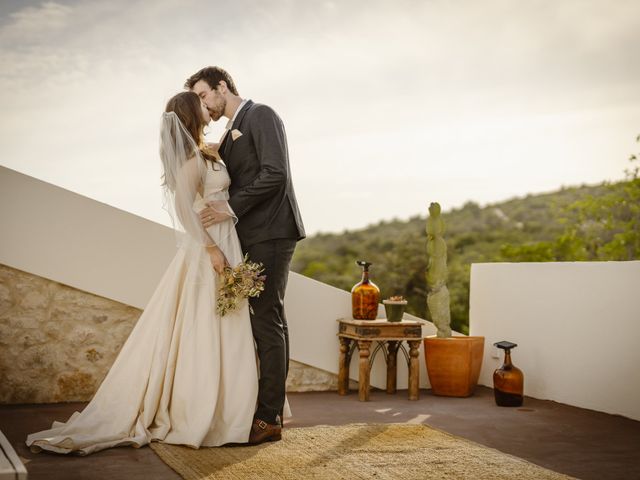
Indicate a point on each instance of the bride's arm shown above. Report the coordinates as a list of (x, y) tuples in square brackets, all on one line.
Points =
[(188, 183), (217, 258)]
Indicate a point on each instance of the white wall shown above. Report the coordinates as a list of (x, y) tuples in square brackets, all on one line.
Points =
[(77, 241), (577, 326), (63, 236)]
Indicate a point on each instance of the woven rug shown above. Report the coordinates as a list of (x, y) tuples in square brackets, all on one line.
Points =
[(358, 451)]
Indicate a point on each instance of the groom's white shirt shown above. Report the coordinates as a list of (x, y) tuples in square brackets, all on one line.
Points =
[(230, 122)]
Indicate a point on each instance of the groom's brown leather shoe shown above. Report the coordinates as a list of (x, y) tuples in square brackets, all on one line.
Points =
[(262, 431)]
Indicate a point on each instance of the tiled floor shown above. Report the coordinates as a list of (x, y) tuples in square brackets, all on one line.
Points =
[(578, 442)]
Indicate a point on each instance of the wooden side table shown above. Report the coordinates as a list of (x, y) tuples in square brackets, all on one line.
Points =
[(389, 337)]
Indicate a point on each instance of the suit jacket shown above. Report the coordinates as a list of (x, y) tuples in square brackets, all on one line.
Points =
[(261, 191)]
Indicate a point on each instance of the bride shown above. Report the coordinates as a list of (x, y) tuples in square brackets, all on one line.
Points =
[(185, 375)]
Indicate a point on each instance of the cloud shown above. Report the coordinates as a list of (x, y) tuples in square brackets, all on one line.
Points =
[(36, 24), (375, 90)]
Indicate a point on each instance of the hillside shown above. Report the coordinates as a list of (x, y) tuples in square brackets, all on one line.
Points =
[(474, 234)]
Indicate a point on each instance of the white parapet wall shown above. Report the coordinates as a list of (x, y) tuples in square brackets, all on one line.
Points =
[(62, 236), (77, 241), (577, 326)]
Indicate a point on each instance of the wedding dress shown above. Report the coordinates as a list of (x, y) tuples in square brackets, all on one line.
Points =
[(185, 375)]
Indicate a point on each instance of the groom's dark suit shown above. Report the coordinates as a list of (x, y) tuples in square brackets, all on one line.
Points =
[(269, 225)]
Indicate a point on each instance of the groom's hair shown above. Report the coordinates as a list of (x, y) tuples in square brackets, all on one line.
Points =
[(213, 76)]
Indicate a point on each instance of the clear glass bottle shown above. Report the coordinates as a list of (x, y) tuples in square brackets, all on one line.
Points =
[(508, 380), (365, 296)]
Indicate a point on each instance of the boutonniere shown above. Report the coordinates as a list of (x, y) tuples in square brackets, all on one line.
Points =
[(236, 134)]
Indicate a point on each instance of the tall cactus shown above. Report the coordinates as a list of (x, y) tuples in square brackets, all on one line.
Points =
[(438, 294)]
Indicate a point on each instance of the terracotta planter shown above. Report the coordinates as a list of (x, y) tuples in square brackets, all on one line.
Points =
[(453, 364)]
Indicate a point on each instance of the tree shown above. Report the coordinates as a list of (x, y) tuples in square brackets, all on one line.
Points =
[(603, 227)]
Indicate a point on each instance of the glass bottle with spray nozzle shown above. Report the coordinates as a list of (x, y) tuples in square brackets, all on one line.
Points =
[(365, 296)]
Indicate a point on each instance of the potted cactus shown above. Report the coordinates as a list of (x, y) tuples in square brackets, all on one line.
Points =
[(453, 362), (394, 308)]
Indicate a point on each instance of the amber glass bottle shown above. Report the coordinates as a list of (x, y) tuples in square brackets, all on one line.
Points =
[(365, 296), (508, 381)]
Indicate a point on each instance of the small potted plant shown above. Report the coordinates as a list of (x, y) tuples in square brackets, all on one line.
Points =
[(394, 307)]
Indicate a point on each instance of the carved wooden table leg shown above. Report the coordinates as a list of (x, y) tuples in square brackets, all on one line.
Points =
[(392, 365), (414, 369), (363, 377), (343, 368)]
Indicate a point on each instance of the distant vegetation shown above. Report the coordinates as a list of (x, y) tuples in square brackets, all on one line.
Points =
[(599, 222)]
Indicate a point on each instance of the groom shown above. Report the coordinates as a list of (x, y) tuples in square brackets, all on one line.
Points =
[(254, 148)]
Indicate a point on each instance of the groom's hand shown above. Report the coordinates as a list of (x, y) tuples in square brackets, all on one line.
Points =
[(210, 216)]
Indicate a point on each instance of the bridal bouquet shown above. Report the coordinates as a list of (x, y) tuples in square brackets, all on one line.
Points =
[(243, 281)]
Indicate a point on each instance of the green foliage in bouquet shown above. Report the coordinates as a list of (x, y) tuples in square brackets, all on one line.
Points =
[(243, 281)]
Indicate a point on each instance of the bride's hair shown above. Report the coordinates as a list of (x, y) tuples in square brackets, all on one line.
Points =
[(187, 106)]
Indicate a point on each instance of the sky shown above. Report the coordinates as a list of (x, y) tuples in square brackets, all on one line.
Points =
[(388, 106)]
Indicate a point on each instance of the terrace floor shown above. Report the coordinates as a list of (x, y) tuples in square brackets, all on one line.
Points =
[(574, 441)]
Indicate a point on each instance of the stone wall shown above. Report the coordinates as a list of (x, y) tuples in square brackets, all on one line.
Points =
[(304, 378), (57, 343)]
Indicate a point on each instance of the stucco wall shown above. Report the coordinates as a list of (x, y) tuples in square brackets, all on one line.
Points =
[(577, 326), (57, 342)]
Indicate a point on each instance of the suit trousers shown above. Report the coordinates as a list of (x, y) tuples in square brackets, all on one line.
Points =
[(269, 325)]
